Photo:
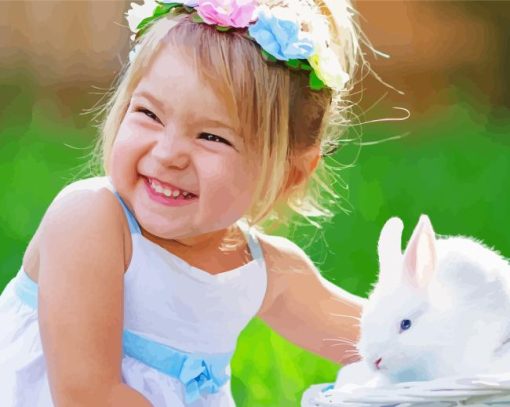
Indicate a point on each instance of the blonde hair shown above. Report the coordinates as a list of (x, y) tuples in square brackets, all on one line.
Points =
[(282, 116)]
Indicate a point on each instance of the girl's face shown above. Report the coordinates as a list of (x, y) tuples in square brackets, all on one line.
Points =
[(179, 132)]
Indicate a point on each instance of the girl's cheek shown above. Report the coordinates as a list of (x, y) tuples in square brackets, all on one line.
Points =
[(218, 166), (123, 132)]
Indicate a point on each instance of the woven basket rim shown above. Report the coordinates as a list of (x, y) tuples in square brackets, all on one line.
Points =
[(488, 389)]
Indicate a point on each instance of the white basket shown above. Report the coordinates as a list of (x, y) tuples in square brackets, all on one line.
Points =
[(481, 390)]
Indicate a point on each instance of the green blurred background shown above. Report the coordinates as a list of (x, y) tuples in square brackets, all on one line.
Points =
[(450, 59)]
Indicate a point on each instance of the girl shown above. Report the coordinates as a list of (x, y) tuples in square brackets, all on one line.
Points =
[(136, 284)]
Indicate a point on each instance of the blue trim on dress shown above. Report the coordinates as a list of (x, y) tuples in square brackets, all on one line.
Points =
[(133, 224), (253, 243), (26, 288), (199, 373), (328, 387)]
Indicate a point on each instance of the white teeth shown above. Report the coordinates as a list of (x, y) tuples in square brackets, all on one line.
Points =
[(167, 192)]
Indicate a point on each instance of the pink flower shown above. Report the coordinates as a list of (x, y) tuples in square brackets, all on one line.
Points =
[(227, 13)]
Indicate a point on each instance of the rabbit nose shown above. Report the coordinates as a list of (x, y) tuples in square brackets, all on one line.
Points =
[(377, 362)]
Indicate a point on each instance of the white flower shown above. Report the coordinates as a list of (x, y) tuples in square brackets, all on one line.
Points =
[(138, 12), (325, 61), (328, 68)]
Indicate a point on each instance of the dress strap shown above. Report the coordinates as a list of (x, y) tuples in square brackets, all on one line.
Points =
[(133, 224), (199, 373), (253, 243)]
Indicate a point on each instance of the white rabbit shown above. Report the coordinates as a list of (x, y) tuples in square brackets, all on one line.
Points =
[(440, 309)]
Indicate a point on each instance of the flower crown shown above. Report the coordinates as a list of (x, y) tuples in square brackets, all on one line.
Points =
[(276, 30)]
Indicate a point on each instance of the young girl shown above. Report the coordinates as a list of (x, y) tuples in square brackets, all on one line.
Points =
[(136, 285)]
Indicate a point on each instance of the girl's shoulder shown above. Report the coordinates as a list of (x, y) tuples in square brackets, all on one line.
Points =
[(83, 201), (294, 286), (280, 251), (89, 197), (86, 184), (286, 263)]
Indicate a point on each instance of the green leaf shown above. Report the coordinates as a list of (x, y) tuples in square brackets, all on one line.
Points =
[(140, 32), (160, 10), (267, 56), (315, 82), (146, 21), (168, 8), (293, 63), (164, 8), (196, 18), (305, 65), (222, 28)]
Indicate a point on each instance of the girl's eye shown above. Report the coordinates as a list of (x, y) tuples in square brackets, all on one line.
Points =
[(148, 113), (405, 324), (212, 137)]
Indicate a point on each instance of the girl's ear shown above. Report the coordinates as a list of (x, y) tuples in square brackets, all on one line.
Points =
[(303, 167), (420, 257)]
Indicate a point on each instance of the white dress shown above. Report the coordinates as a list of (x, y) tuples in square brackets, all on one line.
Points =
[(181, 326)]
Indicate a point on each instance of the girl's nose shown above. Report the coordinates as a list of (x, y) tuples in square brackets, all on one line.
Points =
[(172, 150)]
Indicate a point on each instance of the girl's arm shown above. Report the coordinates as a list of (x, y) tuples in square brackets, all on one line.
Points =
[(80, 301), (304, 307)]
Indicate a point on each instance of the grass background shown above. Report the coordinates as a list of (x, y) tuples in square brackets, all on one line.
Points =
[(453, 165)]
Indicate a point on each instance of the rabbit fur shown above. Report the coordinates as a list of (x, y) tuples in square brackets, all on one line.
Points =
[(455, 294)]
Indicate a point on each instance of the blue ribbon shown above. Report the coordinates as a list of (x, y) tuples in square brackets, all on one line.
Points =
[(328, 387), (196, 378), (198, 373)]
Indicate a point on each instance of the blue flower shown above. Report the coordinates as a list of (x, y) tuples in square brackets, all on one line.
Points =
[(280, 37)]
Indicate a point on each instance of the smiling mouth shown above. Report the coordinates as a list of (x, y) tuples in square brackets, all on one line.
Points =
[(168, 191)]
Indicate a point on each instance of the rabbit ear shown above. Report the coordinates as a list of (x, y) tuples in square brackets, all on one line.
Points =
[(420, 256), (389, 249)]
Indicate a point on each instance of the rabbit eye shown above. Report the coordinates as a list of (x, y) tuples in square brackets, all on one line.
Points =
[(405, 324)]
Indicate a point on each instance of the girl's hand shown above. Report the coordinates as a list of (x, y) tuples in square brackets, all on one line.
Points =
[(306, 308)]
